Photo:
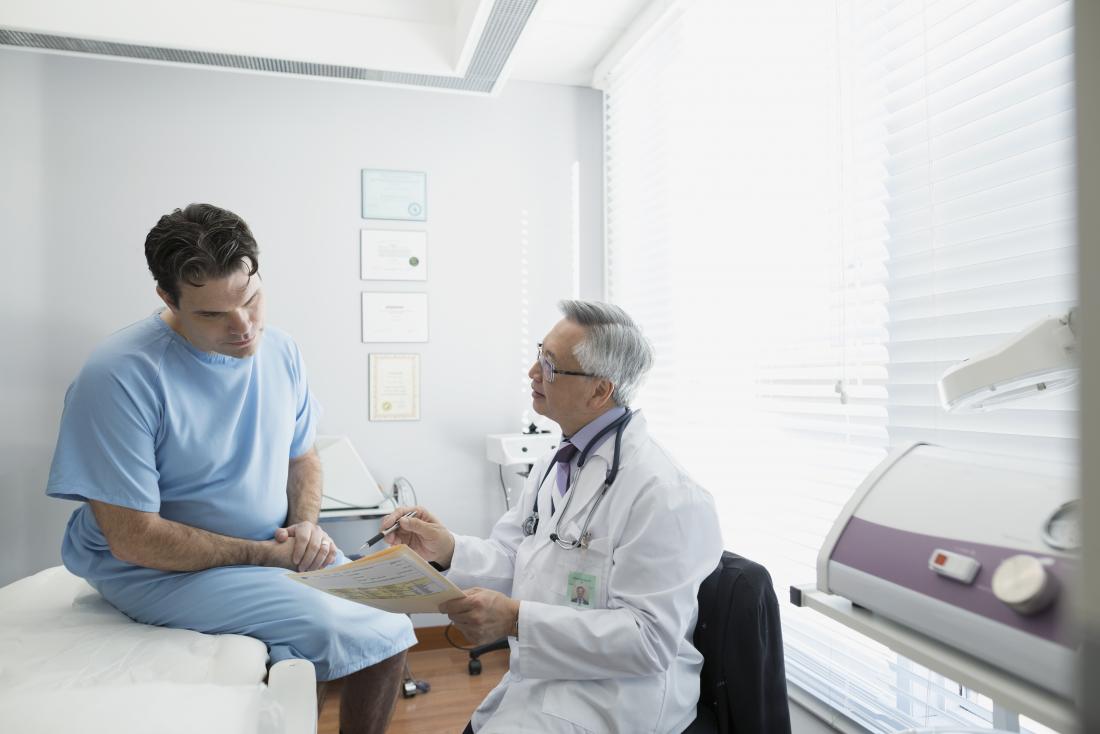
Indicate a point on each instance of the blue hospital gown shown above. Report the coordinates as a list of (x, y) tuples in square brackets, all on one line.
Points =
[(153, 424)]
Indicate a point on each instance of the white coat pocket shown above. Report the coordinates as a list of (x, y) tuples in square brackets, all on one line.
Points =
[(597, 706)]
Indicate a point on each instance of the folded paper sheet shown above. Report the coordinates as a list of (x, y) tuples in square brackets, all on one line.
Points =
[(394, 580)]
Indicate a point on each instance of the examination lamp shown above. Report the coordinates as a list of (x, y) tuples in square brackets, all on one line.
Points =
[(1040, 360)]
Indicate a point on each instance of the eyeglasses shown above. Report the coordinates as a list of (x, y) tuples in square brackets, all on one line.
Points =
[(549, 370)]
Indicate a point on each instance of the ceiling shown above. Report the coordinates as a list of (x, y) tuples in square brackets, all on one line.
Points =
[(458, 45), (568, 38)]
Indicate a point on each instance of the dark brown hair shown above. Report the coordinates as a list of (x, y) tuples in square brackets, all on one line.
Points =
[(196, 244)]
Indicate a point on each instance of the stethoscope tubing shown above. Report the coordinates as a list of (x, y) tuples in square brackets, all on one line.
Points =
[(531, 523)]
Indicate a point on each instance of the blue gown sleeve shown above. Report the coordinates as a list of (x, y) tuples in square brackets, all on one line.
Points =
[(106, 443), (307, 411)]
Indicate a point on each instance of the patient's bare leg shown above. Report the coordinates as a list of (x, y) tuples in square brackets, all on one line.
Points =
[(369, 696)]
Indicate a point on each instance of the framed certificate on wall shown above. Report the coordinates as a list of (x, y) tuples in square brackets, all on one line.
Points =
[(393, 254), (394, 387), (395, 317), (400, 195)]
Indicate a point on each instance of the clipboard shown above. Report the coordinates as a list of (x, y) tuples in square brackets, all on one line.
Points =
[(393, 580)]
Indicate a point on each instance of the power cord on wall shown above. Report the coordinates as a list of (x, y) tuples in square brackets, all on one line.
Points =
[(504, 487), (345, 503)]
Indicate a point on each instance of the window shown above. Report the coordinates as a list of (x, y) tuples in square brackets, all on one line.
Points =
[(814, 208)]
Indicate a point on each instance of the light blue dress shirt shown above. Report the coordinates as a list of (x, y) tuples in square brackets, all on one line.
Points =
[(582, 438)]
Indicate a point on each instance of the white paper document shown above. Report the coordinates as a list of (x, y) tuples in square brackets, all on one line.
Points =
[(393, 255), (394, 382), (394, 580), (395, 317)]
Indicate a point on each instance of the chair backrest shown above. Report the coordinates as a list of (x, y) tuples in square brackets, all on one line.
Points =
[(743, 685)]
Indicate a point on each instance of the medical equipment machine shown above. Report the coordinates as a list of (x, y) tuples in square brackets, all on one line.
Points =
[(348, 484), (352, 503), (978, 551), (1042, 359)]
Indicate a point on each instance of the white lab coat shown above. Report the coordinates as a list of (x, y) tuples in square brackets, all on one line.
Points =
[(625, 662)]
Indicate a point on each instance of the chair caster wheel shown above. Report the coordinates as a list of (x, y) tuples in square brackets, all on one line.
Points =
[(474, 666)]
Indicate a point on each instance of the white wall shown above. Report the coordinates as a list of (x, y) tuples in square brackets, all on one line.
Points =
[(94, 151)]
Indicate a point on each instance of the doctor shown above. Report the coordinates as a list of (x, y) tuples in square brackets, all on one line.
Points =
[(610, 512)]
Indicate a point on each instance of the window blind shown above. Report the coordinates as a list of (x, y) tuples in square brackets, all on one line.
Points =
[(814, 209), (979, 165)]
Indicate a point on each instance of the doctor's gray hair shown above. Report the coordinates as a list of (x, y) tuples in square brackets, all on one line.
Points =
[(613, 347)]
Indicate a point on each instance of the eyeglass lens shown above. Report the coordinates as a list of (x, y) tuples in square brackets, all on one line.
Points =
[(547, 368)]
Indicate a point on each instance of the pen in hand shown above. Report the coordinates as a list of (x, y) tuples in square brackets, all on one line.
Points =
[(387, 531)]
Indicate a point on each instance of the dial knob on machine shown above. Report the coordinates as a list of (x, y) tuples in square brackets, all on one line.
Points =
[(1022, 583)]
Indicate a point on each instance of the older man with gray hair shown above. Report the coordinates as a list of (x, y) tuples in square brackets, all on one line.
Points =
[(609, 512)]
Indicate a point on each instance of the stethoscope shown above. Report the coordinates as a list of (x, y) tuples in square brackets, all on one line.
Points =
[(531, 524)]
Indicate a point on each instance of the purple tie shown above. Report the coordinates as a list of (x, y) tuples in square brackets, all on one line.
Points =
[(564, 456)]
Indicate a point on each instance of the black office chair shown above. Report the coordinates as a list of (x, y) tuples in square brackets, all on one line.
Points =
[(474, 665), (743, 687)]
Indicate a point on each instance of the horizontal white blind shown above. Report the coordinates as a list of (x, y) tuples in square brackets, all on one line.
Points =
[(814, 209), (979, 201)]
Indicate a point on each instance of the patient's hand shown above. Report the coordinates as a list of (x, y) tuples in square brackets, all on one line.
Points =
[(275, 553), (311, 549), (423, 533)]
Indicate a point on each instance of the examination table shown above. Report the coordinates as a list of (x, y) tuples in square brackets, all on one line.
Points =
[(70, 662)]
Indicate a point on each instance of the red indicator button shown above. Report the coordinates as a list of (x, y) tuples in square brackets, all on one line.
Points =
[(940, 559)]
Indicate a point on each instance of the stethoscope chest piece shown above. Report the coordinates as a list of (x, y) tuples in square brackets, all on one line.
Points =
[(531, 524)]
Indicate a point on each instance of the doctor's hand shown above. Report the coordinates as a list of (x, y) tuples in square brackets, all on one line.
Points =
[(483, 615), (313, 548), (423, 533)]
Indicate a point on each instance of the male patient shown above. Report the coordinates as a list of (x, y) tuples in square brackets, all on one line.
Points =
[(189, 437)]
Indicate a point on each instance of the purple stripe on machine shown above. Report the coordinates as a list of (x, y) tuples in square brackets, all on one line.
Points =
[(901, 557)]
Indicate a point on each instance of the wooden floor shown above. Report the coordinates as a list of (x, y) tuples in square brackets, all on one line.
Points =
[(443, 710)]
